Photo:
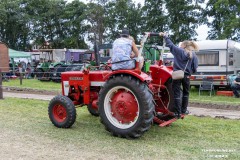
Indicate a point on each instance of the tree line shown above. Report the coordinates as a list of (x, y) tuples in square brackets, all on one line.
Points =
[(67, 25)]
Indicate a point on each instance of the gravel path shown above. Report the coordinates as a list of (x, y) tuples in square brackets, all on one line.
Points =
[(197, 111)]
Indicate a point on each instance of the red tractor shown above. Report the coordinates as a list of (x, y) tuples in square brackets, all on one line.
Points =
[(127, 101)]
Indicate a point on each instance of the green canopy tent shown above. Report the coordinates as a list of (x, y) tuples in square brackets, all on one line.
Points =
[(13, 54), (18, 54)]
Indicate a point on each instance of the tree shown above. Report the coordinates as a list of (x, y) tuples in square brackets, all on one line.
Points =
[(66, 25), (120, 14), (154, 15), (14, 29), (183, 18), (154, 19), (74, 25), (46, 22), (225, 17), (96, 19)]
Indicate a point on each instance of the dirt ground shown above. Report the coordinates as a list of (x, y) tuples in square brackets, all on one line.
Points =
[(29, 91)]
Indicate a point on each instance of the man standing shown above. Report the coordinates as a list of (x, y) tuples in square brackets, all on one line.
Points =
[(186, 60)]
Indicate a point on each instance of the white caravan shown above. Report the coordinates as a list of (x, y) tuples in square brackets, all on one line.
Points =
[(217, 59)]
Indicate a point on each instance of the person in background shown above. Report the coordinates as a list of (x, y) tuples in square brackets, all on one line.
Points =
[(184, 56), (28, 70), (236, 86), (123, 47)]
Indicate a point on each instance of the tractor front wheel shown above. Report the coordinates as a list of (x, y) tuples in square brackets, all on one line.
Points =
[(126, 107), (62, 111)]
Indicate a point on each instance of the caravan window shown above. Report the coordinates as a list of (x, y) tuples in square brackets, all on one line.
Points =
[(208, 58), (230, 59)]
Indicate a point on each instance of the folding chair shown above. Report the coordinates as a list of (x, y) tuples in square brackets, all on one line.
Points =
[(206, 85)]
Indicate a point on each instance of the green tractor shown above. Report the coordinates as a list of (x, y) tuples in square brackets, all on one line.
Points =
[(76, 60), (154, 52), (46, 65)]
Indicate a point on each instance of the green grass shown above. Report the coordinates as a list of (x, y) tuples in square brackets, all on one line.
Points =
[(33, 84), (191, 138), (205, 98)]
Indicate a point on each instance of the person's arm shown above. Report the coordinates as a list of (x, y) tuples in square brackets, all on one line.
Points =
[(135, 49), (236, 82), (173, 49), (195, 64)]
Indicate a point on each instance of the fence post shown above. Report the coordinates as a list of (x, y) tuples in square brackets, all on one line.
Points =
[(1, 91), (20, 76)]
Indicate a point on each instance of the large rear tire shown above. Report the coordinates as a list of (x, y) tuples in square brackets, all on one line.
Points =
[(171, 105), (92, 110), (126, 107), (164, 98), (62, 111)]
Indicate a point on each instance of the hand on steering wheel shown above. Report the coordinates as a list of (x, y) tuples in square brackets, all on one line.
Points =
[(162, 34)]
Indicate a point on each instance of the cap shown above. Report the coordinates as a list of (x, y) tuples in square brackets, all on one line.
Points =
[(125, 32)]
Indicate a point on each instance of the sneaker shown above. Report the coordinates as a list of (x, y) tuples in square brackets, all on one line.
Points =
[(186, 112), (177, 115)]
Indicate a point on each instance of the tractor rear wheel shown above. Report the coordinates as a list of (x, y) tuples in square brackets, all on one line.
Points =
[(92, 110), (62, 111), (164, 98), (170, 98), (126, 107)]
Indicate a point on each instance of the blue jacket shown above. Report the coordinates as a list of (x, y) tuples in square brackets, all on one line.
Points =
[(181, 58)]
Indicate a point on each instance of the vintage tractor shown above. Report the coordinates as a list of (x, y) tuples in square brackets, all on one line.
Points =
[(46, 65), (127, 101)]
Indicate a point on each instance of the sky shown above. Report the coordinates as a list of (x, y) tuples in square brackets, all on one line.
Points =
[(201, 30)]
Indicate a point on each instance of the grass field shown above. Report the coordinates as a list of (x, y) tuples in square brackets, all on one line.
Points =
[(205, 98), (33, 84), (191, 138)]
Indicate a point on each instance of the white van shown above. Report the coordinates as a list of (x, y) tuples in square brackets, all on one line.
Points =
[(168, 59)]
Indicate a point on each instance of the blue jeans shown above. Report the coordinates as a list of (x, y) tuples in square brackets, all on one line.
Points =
[(181, 99), (235, 89)]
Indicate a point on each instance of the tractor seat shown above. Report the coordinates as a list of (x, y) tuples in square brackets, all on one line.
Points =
[(121, 63)]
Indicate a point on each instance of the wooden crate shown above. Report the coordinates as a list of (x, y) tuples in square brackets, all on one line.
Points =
[(224, 93)]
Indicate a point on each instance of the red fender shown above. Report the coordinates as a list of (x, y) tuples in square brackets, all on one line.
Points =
[(160, 74), (142, 76)]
